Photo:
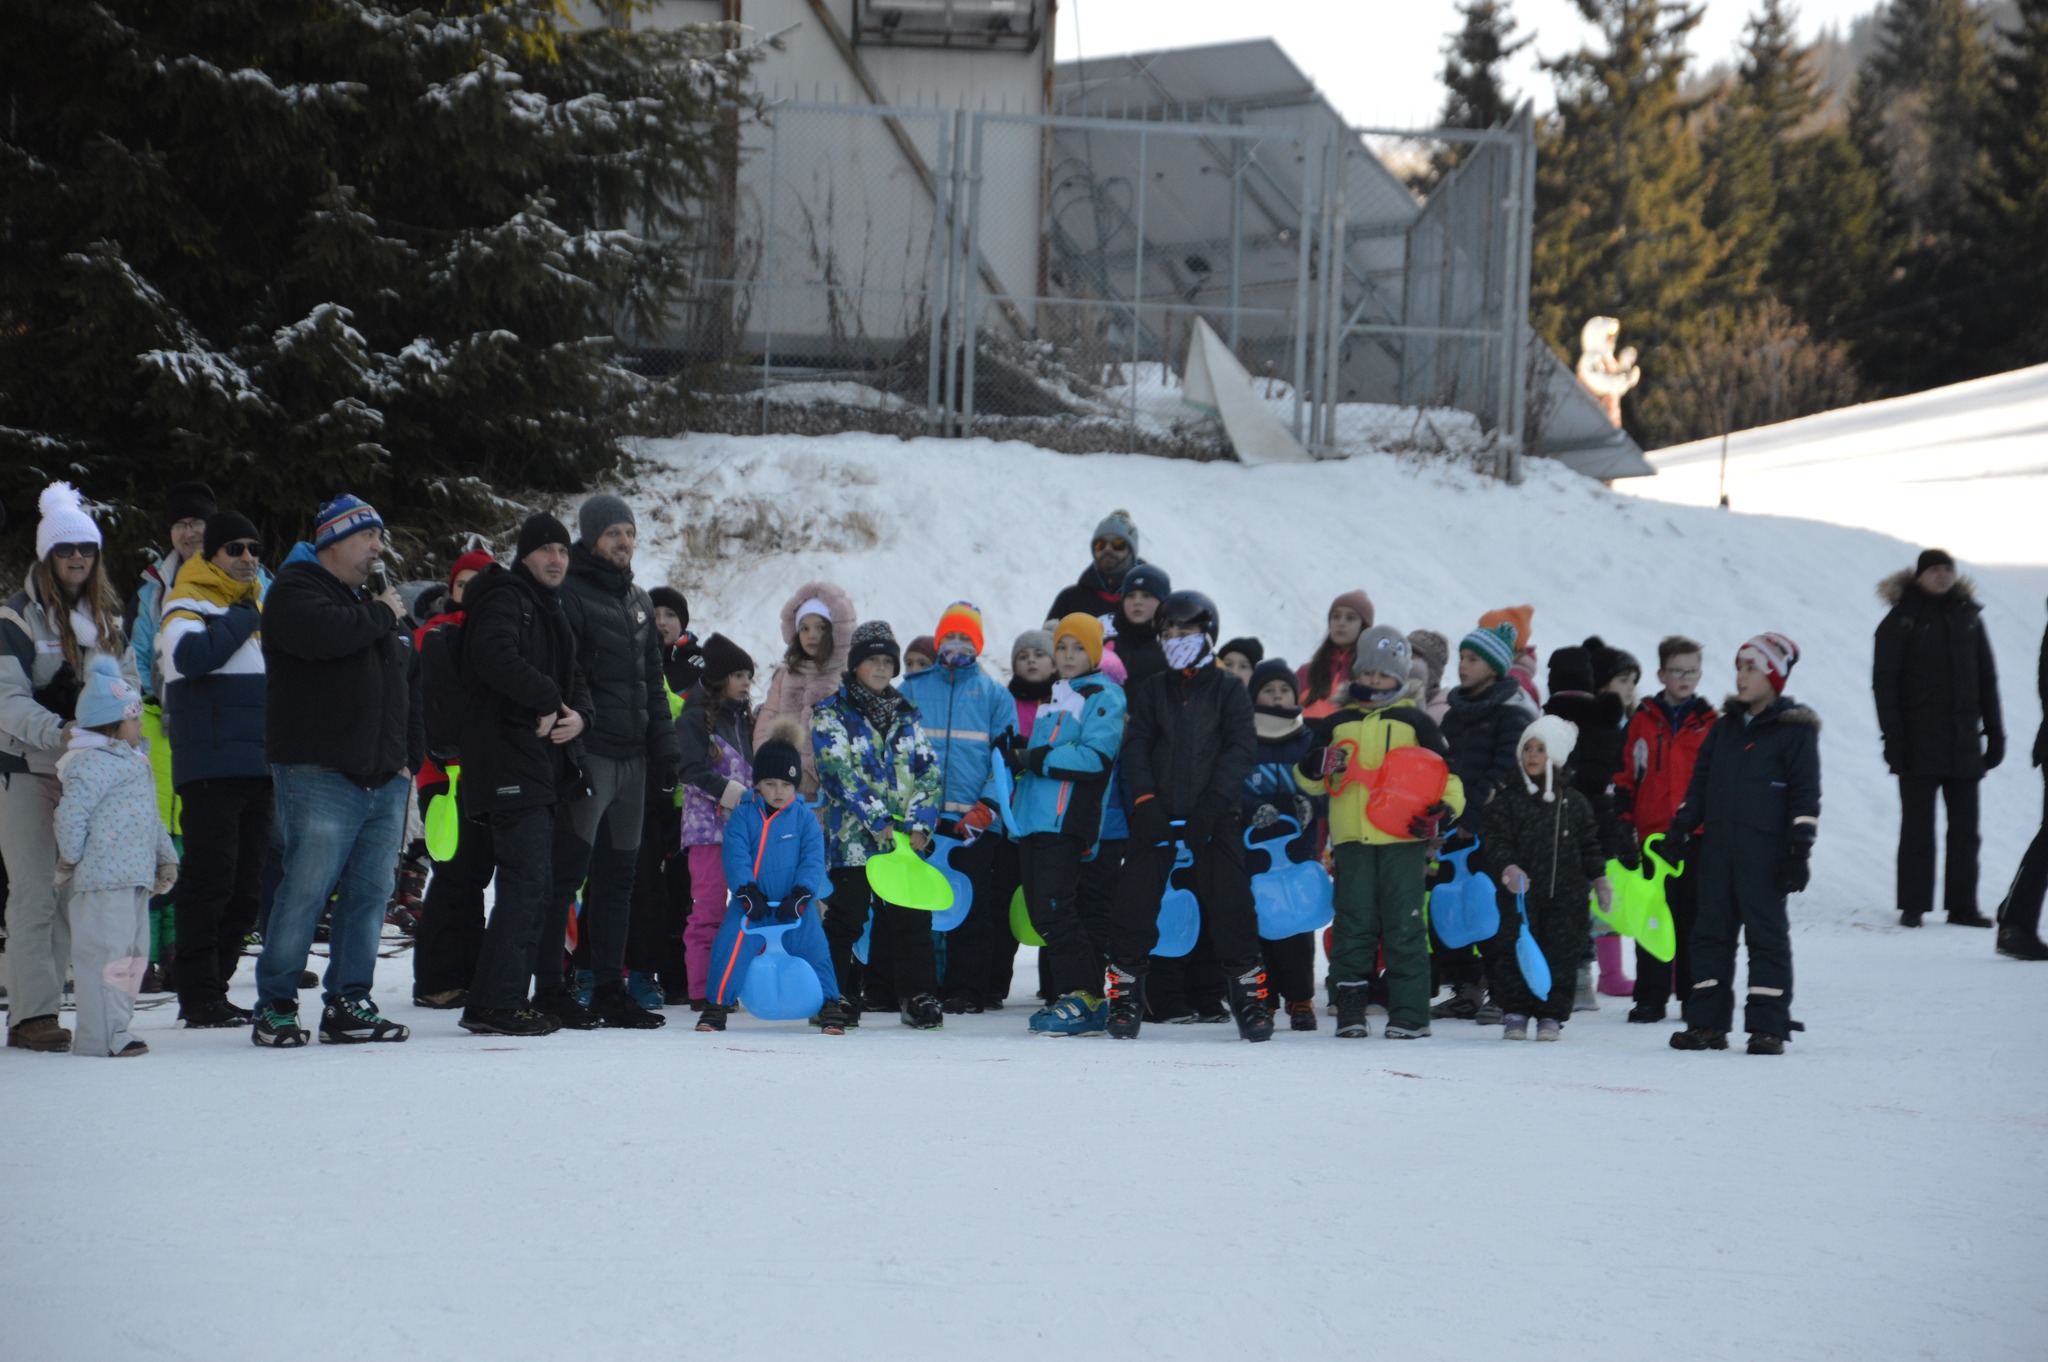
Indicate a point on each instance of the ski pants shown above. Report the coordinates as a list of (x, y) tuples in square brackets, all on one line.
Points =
[(2019, 916), (661, 895), (1291, 960), (1052, 866), (1005, 878), (451, 932), (735, 949), (1739, 894), (1562, 929), (1916, 844), (971, 946), (38, 926), (109, 952), (522, 844), (708, 895), (903, 955), (597, 847), (1658, 980), (1220, 886), (1379, 903), (227, 835)]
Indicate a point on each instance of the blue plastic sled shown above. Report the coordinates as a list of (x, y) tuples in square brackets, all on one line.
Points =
[(778, 986), (1465, 910), (963, 888), (860, 947), (1528, 955), (1293, 896), (1002, 788), (1180, 917)]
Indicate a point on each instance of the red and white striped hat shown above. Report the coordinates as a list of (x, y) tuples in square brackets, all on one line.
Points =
[(1777, 653)]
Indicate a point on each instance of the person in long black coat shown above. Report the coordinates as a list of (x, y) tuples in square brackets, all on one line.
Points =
[(1938, 710), (2019, 916)]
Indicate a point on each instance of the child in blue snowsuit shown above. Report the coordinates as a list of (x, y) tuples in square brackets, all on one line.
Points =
[(774, 854)]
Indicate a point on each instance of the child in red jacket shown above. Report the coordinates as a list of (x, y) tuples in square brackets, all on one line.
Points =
[(1658, 751)]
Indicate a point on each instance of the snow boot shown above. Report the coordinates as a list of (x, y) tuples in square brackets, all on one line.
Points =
[(1126, 1010), (278, 1028), (613, 1006), (586, 986), (1351, 1005), (355, 1021), (1077, 1014), (1761, 1044), (835, 1018), (958, 1006), (1406, 1032), (445, 1001), (1248, 1002), (1462, 1005), (645, 990), (566, 1011), (1699, 1038), (409, 896), (1614, 980), (2021, 948), (1549, 1028), (205, 1014), (1489, 1013), (45, 1035), (131, 1050), (1514, 1026), (712, 1018), (922, 1013), (1910, 918), (504, 1021), (1646, 1012), (1968, 917), (1584, 997), (1301, 1015)]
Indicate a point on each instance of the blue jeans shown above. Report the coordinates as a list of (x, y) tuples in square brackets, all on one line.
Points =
[(335, 835)]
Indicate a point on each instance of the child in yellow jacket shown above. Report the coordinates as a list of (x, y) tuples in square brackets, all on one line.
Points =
[(1379, 873)]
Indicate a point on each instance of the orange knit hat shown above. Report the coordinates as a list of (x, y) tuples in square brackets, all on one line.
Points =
[(1086, 631), (1520, 616), (961, 617)]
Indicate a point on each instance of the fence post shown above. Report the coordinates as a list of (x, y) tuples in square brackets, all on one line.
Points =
[(971, 235), (768, 269), (935, 300), (1309, 154), (1137, 297)]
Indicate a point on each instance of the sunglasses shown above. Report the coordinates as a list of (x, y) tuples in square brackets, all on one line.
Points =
[(237, 548), (74, 550), (1120, 545)]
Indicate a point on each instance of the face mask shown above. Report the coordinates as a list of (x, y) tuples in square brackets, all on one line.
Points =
[(1182, 653), (1370, 698), (955, 655)]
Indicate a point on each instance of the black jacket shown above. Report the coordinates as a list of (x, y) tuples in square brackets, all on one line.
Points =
[(1554, 841), (1187, 736), (619, 652), (1483, 732), (1602, 723), (1936, 685), (518, 663), (1093, 594), (682, 662), (339, 680), (1756, 785), (704, 717), (1138, 648), (2041, 681)]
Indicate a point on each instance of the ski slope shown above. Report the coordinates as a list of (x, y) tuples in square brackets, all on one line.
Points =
[(1880, 1192)]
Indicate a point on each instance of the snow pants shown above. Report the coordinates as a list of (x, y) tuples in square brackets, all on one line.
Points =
[(227, 835), (971, 946), (109, 952), (1052, 866), (1658, 980), (1562, 928), (661, 896), (1229, 920), (1005, 878), (2019, 916), (1379, 903), (1916, 844), (1739, 894), (597, 849), (522, 846), (902, 955), (451, 932), (736, 948), (708, 896), (38, 928), (1291, 961)]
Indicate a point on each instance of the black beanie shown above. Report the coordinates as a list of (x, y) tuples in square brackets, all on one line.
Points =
[(669, 598), (1932, 558), (190, 501), (874, 638), (723, 657), (1270, 670), (225, 527), (1571, 669), (1609, 663), (540, 530), (776, 759), (1250, 649)]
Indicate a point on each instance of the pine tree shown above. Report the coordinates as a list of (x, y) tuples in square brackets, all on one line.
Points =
[(1621, 194), (360, 246), (2011, 203), (1917, 107), (1476, 94)]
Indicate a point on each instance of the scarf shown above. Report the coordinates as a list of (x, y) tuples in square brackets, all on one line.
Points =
[(200, 581), (1023, 690), (878, 707), (1275, 722), (1373, 699)]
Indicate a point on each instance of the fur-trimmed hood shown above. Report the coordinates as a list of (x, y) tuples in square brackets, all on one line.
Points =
[(840, 605), (1893, 591), (1783, 710)]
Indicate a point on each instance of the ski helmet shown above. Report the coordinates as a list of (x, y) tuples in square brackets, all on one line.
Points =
[(1192, 607)]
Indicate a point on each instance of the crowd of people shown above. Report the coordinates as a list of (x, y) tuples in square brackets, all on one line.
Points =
[(232, 756)]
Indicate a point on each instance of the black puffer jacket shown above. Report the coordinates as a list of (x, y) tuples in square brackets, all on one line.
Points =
[(1601, 720), (1483, 731), (339, 679), (2041, 681), (517, 664), (1936, 685), (1188, 735), (1756, 785), (1092, 594), (619, 653)]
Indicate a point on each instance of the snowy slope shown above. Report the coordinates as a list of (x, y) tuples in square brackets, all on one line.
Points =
[(1964, 466), (1881, 1192)]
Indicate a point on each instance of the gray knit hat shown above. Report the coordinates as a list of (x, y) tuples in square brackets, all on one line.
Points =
[(1040, 639), (1383, 648), (1117, 525), (599, 513), (1433, 651)]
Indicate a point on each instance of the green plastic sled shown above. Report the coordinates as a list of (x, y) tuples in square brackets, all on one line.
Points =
[(908, 880), (1020, 922), (444, 824), (1640, 907)]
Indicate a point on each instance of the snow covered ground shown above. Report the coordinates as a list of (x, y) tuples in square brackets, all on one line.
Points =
[(1881, 1192)]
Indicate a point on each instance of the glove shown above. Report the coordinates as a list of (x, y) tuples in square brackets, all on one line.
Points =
[(1797, 868), (730, 798), (1265, 816), (795, 904), (1332, 761), (1017, 757), (1994, 750), (1213, 817), (1429, 825), (752, 901), (1148, 822), (1627, 851), (1891, 756), (1675, 846), (166, 876), (978, 819)]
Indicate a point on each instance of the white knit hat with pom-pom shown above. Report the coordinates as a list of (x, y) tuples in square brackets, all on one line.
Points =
[(1559, 737), (64, 519)]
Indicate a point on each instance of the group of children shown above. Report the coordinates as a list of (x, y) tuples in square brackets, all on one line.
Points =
[(1135, 753)]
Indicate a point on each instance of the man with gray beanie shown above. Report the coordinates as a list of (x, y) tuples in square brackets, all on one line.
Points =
[(631, 741), (1101, 587)]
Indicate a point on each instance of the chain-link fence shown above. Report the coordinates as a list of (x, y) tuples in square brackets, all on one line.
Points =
[(921, 270)]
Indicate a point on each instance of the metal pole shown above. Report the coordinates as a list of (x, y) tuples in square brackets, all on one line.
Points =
[(1309, 208), (953, 289), (1236, 235), (1137, 294), (970, 319), (934, 296), (1506, 208), (768, 269), (1524, 257)]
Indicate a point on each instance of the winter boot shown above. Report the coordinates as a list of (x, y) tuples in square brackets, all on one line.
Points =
[(1584, 998), (1514, 1026), (1126, 1009), (1968, 917), (712, 1018), (835, 1018), (445, 1001), (1549, 1028), (131, 1050), (1910, 918), (1301, 1015), (564, 1008), (1699, 1038), (205, 1014), (2020, 947), (1076, 1014), (1489, 1013), (1761, 1044), (1462, 1005), (1646, 1012), (645, 990), (278, 1027), (613, 1006), (1407, 1032), (921, 1013), (1248, 1002), (1614, 980), (43, 1034), (1351, 1004), (408, 896), (503, 1021), (586, 986), (354, 1021)]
